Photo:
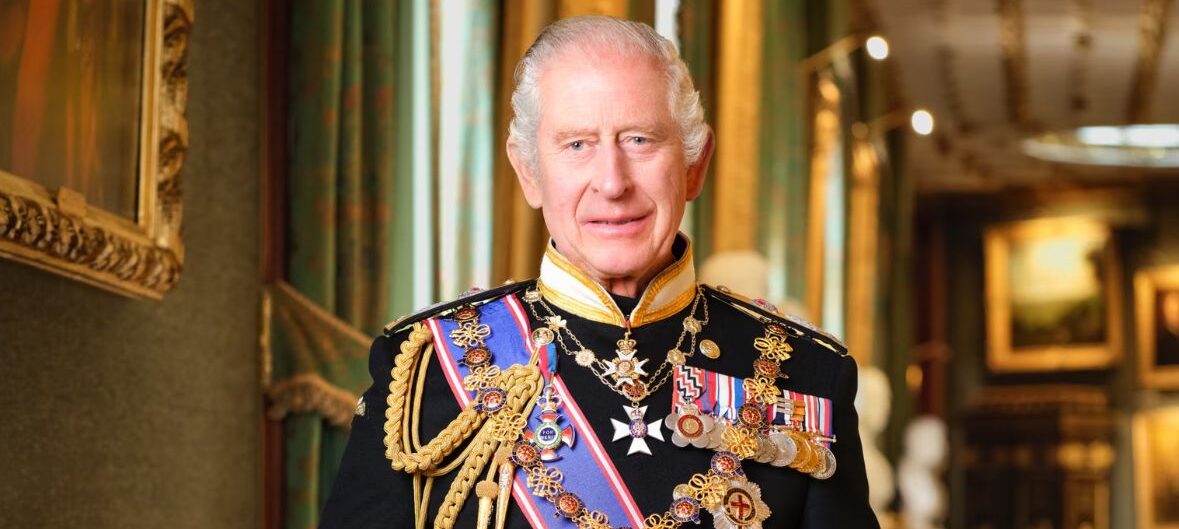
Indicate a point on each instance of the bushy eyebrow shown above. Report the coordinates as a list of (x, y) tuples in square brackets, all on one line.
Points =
[(651, 129)]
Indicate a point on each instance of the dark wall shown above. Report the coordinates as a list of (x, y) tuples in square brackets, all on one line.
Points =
[(123, 413), (1146, 230)]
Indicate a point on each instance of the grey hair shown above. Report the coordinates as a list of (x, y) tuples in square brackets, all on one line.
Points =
[(608, 34)]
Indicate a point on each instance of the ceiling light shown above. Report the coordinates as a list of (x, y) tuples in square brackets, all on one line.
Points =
[(877, 47), (922, 122), (1121, 146)]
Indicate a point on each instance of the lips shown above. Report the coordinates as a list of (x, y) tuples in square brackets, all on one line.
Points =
[(618, 226), (618, 222)]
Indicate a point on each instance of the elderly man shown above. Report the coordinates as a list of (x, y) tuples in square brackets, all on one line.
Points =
[(614, 390)]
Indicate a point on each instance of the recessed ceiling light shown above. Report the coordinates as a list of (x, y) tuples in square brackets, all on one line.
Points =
[(1119, 146), (877, 47), (922, 122)]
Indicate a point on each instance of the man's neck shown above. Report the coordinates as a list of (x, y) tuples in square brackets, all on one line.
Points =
[(633, 287)]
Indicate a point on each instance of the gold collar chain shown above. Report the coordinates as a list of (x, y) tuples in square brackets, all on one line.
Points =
[(623, 374)]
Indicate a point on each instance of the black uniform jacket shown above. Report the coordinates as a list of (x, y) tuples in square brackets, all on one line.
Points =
[(368, 494)]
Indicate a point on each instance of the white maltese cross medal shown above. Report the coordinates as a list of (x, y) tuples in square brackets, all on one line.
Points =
[(624, 369), (637, 429)]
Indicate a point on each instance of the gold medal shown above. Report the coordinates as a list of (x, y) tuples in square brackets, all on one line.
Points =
[(710, 349), (542, 336)]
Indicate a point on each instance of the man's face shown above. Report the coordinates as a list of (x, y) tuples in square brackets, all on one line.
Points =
[(610, 174)]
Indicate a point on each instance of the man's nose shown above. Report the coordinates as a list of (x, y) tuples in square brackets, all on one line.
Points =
[(611, 179)]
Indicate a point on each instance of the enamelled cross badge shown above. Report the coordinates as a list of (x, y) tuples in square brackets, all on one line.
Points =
[(637, 429), (548, 436)]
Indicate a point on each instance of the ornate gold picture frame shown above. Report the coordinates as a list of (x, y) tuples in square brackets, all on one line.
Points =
[(1053, 299), (70, 224), (1156, 468), (1156, 302)]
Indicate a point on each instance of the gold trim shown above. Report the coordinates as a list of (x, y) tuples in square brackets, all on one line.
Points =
[(1146, 285), (738, 112), (309, 392), (683, 300), (1015, 68), (614, 316), (1001, 356), (58, 232), (824, 96), (642, 314), (608, 311), (581, 309), (862, 251), (1152, 31)]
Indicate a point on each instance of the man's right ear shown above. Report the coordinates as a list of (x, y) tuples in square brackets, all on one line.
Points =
[(529, 183)]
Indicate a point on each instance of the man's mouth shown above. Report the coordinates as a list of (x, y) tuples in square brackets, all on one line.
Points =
[(617, 222)]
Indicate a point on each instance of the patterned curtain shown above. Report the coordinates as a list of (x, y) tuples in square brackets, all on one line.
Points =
[(360, 157), (348, 215), (783, 182)]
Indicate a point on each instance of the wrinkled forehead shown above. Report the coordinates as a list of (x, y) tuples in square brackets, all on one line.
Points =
[(583, 71)]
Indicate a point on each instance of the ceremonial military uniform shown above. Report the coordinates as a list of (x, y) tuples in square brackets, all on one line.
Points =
[(755, 412)]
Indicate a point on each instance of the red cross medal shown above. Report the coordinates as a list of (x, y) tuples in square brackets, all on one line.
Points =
[(742, 507)]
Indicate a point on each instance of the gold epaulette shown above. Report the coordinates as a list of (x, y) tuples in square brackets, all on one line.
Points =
[(763, 310), (470, 297)]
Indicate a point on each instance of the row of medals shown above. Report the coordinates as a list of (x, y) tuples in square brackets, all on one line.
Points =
[(733, 501)]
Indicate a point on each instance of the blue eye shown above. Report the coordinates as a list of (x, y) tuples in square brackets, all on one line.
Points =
[(639, 140), (577, 145)]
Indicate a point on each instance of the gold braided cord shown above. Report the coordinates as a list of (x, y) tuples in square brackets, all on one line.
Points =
[(397, 437), (522, 397), (406, 453), (420, 388)]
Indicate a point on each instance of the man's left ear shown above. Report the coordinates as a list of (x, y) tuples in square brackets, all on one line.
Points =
[(698, 170)]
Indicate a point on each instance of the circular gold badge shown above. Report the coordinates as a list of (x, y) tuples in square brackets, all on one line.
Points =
[(710, 349), (584, 357), (542, 336)]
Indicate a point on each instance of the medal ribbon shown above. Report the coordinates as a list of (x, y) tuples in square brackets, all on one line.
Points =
[(586, 466), (722, 395)]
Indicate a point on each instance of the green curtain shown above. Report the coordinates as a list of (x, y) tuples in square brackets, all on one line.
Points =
[(345, 213), (783, 183), (372, 205), (465, 143), (698, 35)]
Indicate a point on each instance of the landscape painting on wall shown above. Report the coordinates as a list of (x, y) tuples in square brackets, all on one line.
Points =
[(93, 139), (1156, 293), (1052, 296), (70, 95)]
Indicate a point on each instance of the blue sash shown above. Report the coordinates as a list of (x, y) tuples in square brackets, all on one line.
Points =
[(586, 466)]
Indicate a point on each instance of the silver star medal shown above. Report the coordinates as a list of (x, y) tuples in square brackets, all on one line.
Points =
[(637, 429)]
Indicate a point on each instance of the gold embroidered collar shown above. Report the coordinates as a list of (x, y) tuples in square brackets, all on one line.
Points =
[(566, 286)]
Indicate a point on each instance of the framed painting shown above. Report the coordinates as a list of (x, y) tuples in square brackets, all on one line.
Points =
[(1156, 468), (1053, 299), (1156, 301), (92, 139)]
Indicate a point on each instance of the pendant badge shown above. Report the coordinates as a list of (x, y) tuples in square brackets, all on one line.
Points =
[(624, 369), (637, 429), (548, 436)]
